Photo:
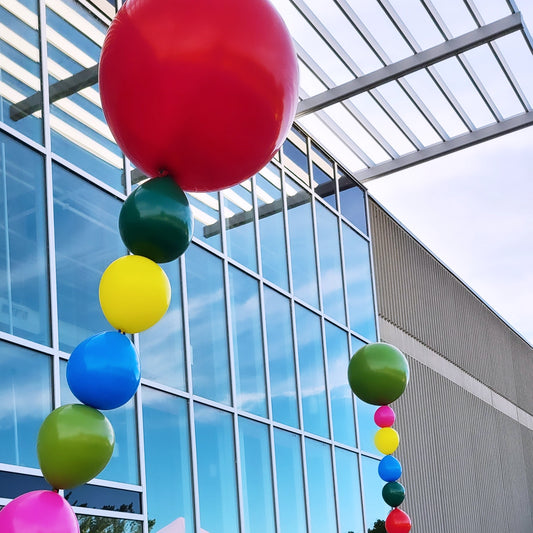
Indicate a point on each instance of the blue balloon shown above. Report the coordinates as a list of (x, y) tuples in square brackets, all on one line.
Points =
[(389, 468), (104, 370)]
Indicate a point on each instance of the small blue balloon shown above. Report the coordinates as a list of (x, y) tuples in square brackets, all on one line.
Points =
[(104, 370), (389, 468)]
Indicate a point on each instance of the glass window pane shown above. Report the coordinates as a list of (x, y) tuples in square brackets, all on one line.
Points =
[(323, 176), (167, 461), (312, 374), (215, 452), (78, 128), (13, 485), (320, 486), (161, 347), (97, 524), (107, 498), (348, 491), (205, 208), (353, 206), (256, 471), (271, 226), (87, 241), (375, 506), (289, 475), (25, 385), (295, 155), (302, 244), (330, 264), (123, 465), (20, 69), (24, 290), (247, 342), (207, 325), (240, 225), (281, 358), (359, 284), (341, 397)]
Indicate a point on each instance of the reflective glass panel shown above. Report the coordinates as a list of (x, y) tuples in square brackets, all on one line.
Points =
[(161, 347), (123, 465), (205, 208), (272, 226), (24, 290), (353, 206), (98, 524), (215, 452), (20, 67), (207, 325), (358, 280), (340, 394), (330, 264), (348, 491), (323, 176), (312, 375), (320, 486), (256, 474), (375, 506), (26, 400), (240, 225), (13, 484), (281, 358), (167, 460), (289, 475), (247, 342), (302, 244), (97, 497), (87, 241), (77, 124)]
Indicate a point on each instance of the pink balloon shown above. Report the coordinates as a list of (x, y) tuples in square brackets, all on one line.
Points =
[(384, 417), (40, 511)]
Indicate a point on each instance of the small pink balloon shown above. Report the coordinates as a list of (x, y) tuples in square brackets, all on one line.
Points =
[(384, 417), (40, 511)]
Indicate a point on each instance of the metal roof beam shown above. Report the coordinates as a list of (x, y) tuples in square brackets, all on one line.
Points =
[(437, 150), (406, 66)]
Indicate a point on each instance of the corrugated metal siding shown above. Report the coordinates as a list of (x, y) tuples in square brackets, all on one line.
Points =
[(464, 462), (417, 294)]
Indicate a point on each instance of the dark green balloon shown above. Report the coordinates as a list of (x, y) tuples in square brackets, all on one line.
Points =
[(156, 220), (74, 444), (393, 493), (378, 373)]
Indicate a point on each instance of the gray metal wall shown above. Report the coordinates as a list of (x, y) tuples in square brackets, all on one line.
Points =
[(468, 466)]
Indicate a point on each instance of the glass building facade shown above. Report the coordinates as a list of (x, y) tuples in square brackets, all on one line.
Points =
[(244, 420)]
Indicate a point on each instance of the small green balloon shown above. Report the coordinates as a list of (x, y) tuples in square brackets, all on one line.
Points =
[(393, 493), (378, 373), (74, 444), (156, 220)]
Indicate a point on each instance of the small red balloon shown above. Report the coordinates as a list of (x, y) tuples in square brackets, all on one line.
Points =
[(202, 90), (398, 521)]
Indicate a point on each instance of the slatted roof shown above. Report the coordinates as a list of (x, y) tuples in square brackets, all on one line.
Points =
[(387, 84)]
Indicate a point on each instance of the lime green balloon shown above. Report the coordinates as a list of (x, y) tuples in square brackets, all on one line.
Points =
[(74, 445), (378, 373)]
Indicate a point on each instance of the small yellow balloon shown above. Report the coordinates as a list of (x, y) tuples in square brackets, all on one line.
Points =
[(134, 293), (387, 440)]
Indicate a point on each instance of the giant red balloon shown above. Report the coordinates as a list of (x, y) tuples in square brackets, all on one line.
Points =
[(398, 521), (202, 90)]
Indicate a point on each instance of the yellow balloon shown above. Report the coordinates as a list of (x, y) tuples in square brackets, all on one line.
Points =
[(387, 440), (134, 293)]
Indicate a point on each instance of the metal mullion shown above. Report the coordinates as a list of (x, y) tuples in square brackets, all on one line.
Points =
[(190, 402), (273, 469), (348, 62), (305, 482), (141, 464), (335, 489), (463, 61), (232, 369), (498, 55)]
